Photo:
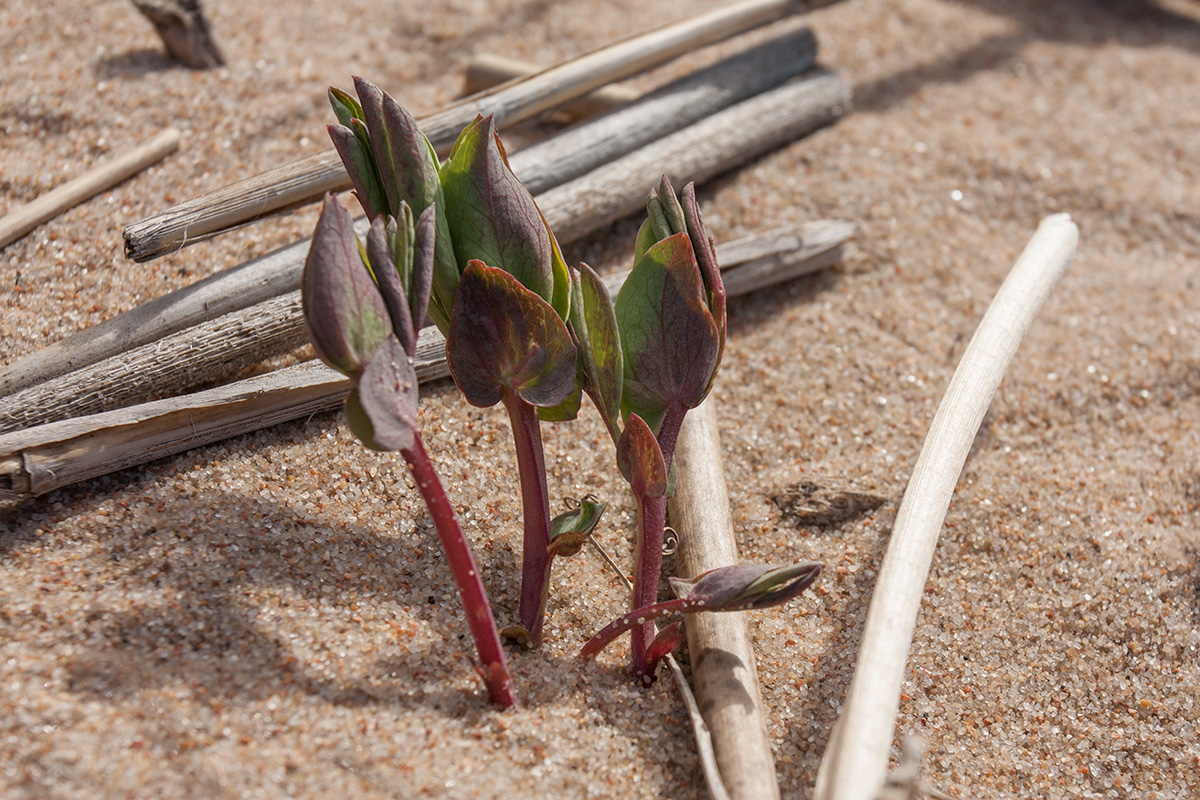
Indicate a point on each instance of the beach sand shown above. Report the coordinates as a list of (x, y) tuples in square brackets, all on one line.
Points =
[(270, 617)]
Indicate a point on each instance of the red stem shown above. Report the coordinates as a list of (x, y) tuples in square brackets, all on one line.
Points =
[(470, 588), (535, 508), (606, 635), (652, 520)]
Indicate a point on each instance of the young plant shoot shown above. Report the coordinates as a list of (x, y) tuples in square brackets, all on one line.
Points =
[(647, 359), (524, 330), (364, 307), (500, 290)]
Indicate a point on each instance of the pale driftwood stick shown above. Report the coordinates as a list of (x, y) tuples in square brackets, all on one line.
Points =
[(719, 645), (184, 30), (307, 180), (716, 144), (36, 460), (217, 348), (812, 101), (665, 111), (855, 763), (487, 70), (23, 219)]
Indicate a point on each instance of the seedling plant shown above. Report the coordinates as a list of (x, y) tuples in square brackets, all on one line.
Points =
[(464, 242)]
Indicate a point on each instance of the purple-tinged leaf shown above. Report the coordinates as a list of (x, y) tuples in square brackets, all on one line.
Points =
[(360, 166), (640, 459), (504, 337), (669, 341), (386, 252), (421, 281), (493, 218), (371, 99), (345, 315), (746, 586), (568, 409), (382, 407), (706, 260), (594, 323)]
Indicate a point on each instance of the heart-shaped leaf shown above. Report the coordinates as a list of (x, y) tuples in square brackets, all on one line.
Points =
[(343, 310), (382, 407), (640, 459), (493, 218), (669, 340), (745, 586), (504, 337)]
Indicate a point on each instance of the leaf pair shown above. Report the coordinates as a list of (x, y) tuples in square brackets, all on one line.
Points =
[(364, 308)]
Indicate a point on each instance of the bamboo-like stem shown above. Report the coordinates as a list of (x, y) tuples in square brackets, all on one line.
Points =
[(719, 645), (734, 135), (42, 458), (493, 667), (855, 763), (535, 511), (23, 219), (307, 180)]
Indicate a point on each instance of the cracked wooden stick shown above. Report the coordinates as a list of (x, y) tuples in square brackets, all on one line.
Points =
[(719, 645), (855, 763), (36, 460), (717, 143), (307, 180)]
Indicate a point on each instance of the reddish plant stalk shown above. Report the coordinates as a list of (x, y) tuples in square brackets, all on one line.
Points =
[(494, 669), (652, 521), (535, 510)]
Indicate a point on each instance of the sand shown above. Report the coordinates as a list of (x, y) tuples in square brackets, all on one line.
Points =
[(268, 617)]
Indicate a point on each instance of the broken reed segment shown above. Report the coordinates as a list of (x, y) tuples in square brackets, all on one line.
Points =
[(215, 349), (307, 180), (719, 645), (22, 219), (788, 112), (39, 459), (855, 763)]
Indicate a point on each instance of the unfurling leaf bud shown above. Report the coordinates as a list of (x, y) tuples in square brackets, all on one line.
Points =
[(745, 586)]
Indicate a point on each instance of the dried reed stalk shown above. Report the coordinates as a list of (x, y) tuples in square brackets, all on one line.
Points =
[(855, 763), (719, 645), (36, 460), (716, 144), (307, 180)]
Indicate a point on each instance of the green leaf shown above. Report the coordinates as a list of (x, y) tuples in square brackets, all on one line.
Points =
[(345, 107), (594, 323), (504, 337), (343, 310), (382, 407), (569, 530), (669, 340), (360, 166), (493, 218), (640, 459)]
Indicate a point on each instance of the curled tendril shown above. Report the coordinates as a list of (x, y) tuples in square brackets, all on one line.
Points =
[(670, 541), (571, 503)]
